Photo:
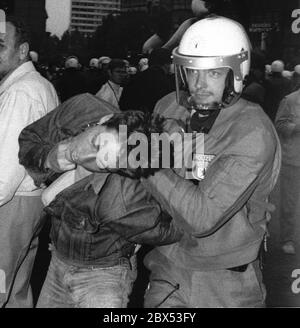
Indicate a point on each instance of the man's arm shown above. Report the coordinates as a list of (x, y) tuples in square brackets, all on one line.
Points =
[(67, 120), (145, 223), (228, 185), (17, 109)]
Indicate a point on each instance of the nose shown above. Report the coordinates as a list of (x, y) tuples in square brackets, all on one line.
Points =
[(201, 79)]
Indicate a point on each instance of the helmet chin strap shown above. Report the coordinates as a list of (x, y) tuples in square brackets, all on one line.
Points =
[(203, 107), (203, 116)]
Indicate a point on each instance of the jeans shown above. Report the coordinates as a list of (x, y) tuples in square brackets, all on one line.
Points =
[(174, 287), (70, 286)]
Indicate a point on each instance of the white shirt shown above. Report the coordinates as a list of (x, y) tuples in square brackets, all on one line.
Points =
[(111, 92), (25, 96)]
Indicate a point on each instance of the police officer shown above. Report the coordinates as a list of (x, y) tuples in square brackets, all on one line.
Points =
[(220, 195)]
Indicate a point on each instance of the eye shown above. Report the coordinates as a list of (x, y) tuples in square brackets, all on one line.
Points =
[(215, 73)]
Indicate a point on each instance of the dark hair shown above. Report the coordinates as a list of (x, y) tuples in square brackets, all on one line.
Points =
[(138, 122), (116, 63), (160, 57), (22, 33)]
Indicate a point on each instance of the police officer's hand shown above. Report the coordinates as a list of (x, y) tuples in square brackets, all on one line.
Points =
[(58, 158), (82, 149)]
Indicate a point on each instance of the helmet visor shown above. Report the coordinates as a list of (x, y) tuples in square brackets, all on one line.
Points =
[(207, 82)]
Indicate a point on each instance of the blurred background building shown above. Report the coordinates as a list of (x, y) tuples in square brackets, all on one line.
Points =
[(86, 16)]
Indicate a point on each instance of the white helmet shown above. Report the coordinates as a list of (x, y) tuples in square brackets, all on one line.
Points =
[(297, 69), (132, 70), (104, 60), (277, 66), (268, 69), (287, 74), (94, 62), (72, 61), (211, 43)]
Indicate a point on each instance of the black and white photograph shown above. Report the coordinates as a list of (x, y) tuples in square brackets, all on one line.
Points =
[(149, 156)]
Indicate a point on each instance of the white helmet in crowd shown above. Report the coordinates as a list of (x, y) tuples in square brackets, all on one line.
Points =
[(297, 69), (211, 43), (277, 66), (72, 62), (94, 62), (34, 56), (143, 64), (132, 70), (287, 74), (268, 69), (104, 60)]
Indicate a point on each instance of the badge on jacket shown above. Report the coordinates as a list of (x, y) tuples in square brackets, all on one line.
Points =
[(199, 166)]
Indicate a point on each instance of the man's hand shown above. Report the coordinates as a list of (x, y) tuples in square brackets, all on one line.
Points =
[(79, 150), (58, 158), (82, 149)]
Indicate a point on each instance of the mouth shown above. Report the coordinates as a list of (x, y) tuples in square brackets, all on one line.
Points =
[(202, 95)]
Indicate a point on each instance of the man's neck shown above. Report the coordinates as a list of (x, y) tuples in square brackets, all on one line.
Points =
[(8, 74)]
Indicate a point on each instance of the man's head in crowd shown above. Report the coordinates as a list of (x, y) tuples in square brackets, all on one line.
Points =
[(14, 46), (72, 62), (118, 71)]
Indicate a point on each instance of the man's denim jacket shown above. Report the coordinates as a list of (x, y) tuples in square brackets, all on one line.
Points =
[(102, 217)]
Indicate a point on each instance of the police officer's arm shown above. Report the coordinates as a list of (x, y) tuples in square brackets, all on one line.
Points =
[(228, 184), (145, 223), (127, 208), (67, 120)]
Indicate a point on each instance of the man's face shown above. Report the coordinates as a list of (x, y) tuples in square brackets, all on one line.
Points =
[(109, 148), (9, 52), (118, 75), (207, 86)]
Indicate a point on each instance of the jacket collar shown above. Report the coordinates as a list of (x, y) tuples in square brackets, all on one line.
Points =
[(227, 115), (18, 73)]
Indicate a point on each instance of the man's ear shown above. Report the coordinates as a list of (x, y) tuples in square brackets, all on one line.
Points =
[(23, 51)]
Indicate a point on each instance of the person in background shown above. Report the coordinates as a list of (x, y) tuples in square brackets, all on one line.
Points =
[(277, 87), (94, 78), (287, 124), (103, 67), (117, 76), (149, 86), (72, 81), (295, 79), (254, 89), (25, 96)]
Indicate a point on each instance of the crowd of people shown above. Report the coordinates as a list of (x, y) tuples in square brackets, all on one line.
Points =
[(204, 214)]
